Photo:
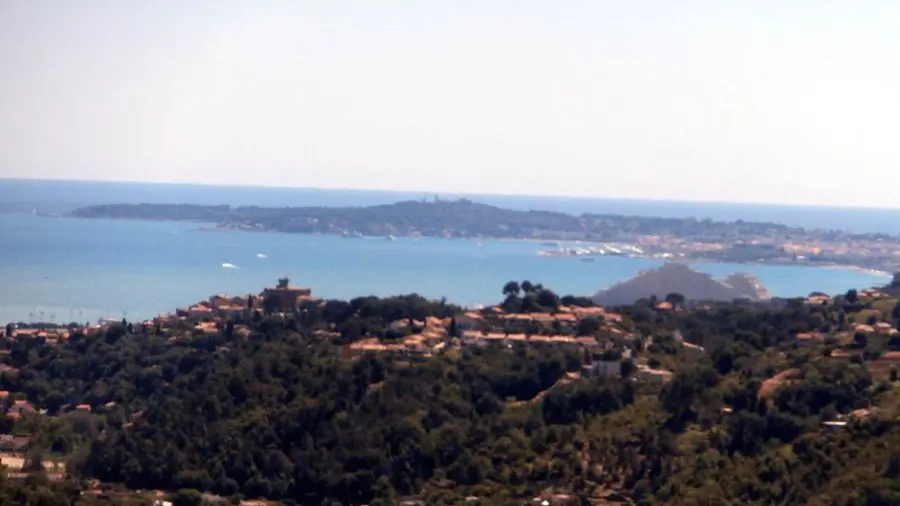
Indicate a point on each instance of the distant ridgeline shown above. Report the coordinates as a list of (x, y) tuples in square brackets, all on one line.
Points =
[(458, 218), (675, 278), (692, 238)]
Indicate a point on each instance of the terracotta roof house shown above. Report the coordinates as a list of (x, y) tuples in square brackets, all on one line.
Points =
[(565, 317), (808, 338), (868, 329), (468, 320), (613, 317), (284, 298), (883, 327), (582, 312), (543, 317), (200, 311), (653, 375)]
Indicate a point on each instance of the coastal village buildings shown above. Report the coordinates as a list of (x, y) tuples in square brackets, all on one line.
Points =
[(612, 346), (223, 317), (200, 312), (283, 297), (469, 321), (603, 368), (809, 338), (653, 375)]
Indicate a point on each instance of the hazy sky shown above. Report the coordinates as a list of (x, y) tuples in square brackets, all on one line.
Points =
[(765, 101)]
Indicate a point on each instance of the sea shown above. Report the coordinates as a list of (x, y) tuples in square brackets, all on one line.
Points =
[(57, 269)]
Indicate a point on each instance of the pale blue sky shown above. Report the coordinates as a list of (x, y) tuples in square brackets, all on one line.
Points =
[(759, 101)]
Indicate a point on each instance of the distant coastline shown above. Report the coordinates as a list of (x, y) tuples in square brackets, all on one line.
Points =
[(172, 261), (843, 267), (20, 196), (853, 268), (876, 272), (694, 240)]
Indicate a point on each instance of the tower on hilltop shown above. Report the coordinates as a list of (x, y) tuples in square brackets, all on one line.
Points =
[(283, 298)]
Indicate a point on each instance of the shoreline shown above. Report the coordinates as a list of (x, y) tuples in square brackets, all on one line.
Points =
[(468, 295), (220, 227), (856, 268), (701, 260)]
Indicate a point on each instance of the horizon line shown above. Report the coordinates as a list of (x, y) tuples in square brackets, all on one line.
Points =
[(431, 192)]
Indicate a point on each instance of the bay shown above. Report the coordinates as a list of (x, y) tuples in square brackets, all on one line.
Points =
[(80, 270)]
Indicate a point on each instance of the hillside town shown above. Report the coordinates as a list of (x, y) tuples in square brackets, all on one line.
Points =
[(605, 339), (594, 329), (604, 335), (223, 318), (857, 327)]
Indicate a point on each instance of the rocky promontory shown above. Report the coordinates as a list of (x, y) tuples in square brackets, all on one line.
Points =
[(678, 278)]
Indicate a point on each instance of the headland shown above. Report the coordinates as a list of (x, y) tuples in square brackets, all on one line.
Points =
[(643, 237)]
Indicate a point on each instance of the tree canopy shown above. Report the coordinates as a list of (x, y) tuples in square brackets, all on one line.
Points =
[(281, 413)]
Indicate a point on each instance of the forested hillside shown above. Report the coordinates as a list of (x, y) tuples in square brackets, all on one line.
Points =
[(283, 414)]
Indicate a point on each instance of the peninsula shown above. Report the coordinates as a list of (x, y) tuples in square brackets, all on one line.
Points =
[(682, 238)]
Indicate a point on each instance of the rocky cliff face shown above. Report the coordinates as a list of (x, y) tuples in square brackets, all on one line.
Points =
[(748, 285), (679, 278)]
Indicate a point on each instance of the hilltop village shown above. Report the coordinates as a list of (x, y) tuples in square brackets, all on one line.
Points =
[(540, 397), (225, 318)]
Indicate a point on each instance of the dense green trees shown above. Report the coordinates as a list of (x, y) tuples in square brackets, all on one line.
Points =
[(37, 490), (281, 415), (531, 298)]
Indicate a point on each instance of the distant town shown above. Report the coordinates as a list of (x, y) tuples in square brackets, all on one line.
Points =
[(586, 235)]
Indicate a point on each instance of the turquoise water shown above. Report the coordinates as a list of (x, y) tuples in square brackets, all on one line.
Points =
[(85, 269)]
